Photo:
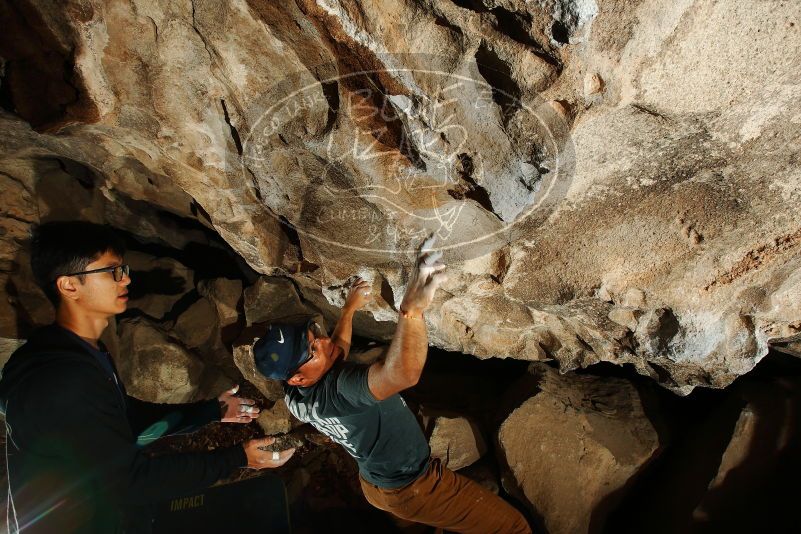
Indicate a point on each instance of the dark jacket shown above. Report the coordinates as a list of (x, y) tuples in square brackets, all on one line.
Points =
[(73, 460)]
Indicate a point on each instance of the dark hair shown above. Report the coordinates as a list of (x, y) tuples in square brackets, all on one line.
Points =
[(59, 248)]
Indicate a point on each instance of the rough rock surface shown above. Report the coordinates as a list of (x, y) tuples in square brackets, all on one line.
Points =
[(276, 420), (272, 298), (568, 154), (456, 441), (156, 368), (226, 295), (573, 445)]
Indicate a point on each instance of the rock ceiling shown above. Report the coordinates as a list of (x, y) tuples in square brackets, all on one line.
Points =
[(610, 181)]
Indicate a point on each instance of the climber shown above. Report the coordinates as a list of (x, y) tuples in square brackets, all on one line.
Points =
[(359, 407), (71, 448)]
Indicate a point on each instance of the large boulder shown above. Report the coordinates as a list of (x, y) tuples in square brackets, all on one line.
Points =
[(572, 447), (155, 368)]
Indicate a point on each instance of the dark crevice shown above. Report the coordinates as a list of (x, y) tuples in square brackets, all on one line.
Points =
[(331, 93), (291, 233), (648, 111), (505, 91), (234, 131), (303, 266), (439, 20), (198, 211), (468, 188), (82, 174), (6, 101), (39, 83), (214, 259), (473, 5), (662, 374), (560, 33), (387, 294), (516, 26)]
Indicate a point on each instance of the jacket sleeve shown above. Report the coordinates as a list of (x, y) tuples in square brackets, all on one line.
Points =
[(185, 417), (86, 424)]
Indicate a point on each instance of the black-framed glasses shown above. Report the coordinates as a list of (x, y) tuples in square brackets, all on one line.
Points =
[(118, 272)]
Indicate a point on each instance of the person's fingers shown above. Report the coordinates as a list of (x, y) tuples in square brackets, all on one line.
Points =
[(439, 279), (263, 442), (431, 258), (428, 243)]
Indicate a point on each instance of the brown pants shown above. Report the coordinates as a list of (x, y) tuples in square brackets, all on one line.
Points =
[(443, 499)]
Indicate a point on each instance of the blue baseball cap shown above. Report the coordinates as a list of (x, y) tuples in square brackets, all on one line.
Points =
[(282, 350)]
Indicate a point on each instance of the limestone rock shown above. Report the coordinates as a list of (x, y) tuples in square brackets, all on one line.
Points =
[(758, 463), (457, 442), (276, 420), (198, 326), (272, 298), (576, 144), (225, 294), (573, 445), (154, 368)]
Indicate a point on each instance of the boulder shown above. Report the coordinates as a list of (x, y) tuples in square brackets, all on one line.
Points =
[(457, 442), (198, 327), (155, 368), (276, 420), (571, 448), (226, 295), (272, 298)]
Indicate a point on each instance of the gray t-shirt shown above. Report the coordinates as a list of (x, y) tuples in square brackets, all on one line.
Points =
[(384, 437)]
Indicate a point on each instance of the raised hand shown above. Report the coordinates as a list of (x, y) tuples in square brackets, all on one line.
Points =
[(235, 409), (425, 279), (359, 295)]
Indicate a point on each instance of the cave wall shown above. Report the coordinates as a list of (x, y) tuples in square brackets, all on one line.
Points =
[(609, 180)]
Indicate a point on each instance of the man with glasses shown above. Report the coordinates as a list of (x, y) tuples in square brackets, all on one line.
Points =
[(71, 449), (358, 406)]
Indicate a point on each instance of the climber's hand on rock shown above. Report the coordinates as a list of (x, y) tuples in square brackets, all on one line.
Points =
[(260, 458), (359, 295), (235, 409), (426, 277)]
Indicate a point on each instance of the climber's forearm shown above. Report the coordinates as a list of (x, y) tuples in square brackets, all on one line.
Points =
[(405, 359)]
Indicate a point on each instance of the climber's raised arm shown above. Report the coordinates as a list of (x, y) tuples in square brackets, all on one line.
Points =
[(406, 355)]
